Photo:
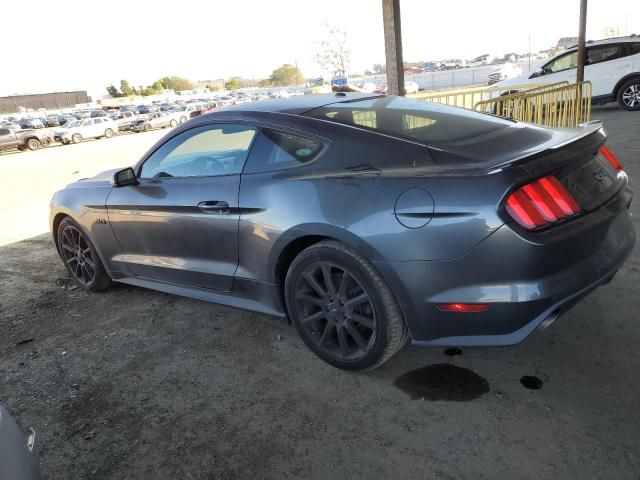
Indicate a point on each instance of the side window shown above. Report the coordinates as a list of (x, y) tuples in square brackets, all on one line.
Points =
[(201, 152), (633, 48), (603, 53), (564, 62), (97, 121), (274, 150), (87, 123), (4, 131)]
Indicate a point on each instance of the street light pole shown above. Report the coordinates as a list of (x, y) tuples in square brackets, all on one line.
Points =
[(582, 50)]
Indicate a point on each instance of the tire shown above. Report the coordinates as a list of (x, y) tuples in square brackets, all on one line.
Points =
[(183, 119), (76, 138), (355, 302), (33, 144), (108, 133), (629, 95), (173, 123), (147, 128), (80, 257)]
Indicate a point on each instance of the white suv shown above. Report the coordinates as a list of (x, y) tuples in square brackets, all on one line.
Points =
[(612, 66), (76, 132)]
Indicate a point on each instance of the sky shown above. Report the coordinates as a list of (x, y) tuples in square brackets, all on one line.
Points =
[(87, 44)]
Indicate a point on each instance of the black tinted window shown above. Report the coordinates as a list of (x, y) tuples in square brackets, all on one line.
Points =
[(273, 150), (4, 131), (415, 119), (634, 48), (603, 53)]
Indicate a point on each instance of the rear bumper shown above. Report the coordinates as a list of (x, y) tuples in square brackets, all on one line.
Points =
[(524, 279)]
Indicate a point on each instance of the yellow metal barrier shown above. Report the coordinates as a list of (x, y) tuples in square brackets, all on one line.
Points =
[(469, 97), (560, 106)]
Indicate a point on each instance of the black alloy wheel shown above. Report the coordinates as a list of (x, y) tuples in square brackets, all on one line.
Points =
[(335, 310), (343, 308), (80, 257)]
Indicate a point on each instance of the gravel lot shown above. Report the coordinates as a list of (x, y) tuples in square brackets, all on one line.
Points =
[(131, 384)]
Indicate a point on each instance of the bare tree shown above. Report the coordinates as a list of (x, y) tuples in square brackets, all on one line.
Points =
[(335, 55)]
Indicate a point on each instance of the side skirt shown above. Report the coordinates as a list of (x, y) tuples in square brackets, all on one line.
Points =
[(246, 294)]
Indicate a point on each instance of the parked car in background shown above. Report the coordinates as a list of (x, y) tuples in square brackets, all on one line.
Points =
[(124, 119), (31, 123), (612, 66), (411, 87), (453, 63), (151, 121), (165, 107), (10, 125), (185, 112), (99, 113), (22, 139), (147, 109), (19, 459), (504, 72), (53, 121), (382, 88), (76, 132)]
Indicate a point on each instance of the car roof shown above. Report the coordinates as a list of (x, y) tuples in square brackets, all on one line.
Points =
[(298, 104)]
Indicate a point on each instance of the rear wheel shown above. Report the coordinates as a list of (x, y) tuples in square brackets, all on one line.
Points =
[(629, 95), (80, 257), (108, 133), (76, 138), (183, 119), (33, 144), (343, 308)]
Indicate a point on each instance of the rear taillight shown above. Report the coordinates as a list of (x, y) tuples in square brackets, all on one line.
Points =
[(611, 158), (541, 203)]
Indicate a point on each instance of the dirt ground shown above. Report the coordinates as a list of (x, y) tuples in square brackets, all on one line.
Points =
[(133, 384)]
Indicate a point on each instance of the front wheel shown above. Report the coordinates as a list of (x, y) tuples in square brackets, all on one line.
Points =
[(147, 128), (629, 95), (80, 257), (343, 308), (33, 144), (76, 138), (173, 123)]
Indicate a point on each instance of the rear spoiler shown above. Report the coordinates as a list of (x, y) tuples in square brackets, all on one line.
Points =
[(581, 132)]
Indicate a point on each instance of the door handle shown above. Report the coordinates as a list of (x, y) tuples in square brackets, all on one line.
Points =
[(214, 206)]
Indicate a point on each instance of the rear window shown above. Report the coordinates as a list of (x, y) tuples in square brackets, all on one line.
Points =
[(274, 150), (413, 119)]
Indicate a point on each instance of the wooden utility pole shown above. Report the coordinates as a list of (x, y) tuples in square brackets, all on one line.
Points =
[(582, 50), (393, 46)]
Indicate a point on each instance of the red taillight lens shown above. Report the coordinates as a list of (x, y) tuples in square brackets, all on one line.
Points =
[(606, 153), (463, 307), (540, 203)]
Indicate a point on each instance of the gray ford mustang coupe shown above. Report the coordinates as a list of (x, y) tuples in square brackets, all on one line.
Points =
[(367, 220)]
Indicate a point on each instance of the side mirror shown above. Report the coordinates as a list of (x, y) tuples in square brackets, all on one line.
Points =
[(537, 73), (124, 178)]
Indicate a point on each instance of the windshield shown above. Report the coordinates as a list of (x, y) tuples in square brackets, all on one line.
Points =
[(414, 119)]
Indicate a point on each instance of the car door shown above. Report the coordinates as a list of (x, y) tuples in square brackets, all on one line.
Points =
[(7, 139), (605, 65), (180, 223)]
